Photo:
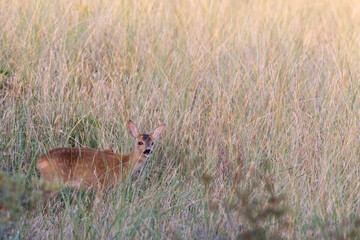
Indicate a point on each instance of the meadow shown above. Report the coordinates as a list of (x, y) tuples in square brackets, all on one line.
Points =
[(260, 98)]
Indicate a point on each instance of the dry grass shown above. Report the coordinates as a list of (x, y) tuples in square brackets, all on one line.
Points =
[(260, 96)]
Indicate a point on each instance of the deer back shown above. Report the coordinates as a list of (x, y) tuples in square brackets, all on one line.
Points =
[(82, 165)]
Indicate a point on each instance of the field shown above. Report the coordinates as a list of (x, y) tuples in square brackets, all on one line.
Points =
[(260, 98)]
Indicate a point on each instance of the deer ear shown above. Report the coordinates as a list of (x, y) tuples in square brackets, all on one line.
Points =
[(133, 129), (156, 133)]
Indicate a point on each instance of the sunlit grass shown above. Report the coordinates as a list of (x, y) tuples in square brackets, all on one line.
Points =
[(253, 93)]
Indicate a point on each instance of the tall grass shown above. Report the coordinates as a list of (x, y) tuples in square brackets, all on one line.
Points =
[(260, 100)]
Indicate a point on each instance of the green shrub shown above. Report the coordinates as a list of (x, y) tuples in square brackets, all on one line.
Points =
[(19, 195)]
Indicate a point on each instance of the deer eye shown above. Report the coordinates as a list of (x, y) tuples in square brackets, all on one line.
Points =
[(140, 143), (152, 143)]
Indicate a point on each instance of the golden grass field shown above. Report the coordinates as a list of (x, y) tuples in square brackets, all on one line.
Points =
[(261, 101)]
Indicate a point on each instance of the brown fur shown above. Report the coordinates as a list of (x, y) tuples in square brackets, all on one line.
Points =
[(76, 166), (87, 167)]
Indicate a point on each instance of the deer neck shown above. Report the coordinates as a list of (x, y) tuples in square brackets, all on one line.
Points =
[(134, 156)]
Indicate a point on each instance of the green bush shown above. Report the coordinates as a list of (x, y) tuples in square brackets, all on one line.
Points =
[(19, 195)]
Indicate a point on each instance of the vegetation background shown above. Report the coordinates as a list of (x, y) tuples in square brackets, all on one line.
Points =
[(261, 101)]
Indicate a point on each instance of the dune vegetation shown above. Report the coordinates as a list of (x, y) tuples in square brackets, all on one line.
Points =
[(260, 99)]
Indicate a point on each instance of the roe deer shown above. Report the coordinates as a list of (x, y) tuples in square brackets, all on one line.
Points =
[(88, 168)]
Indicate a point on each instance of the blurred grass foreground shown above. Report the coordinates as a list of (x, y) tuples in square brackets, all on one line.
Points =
[(260, 99)]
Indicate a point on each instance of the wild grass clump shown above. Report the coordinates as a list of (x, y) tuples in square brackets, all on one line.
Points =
[(260, 96)]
